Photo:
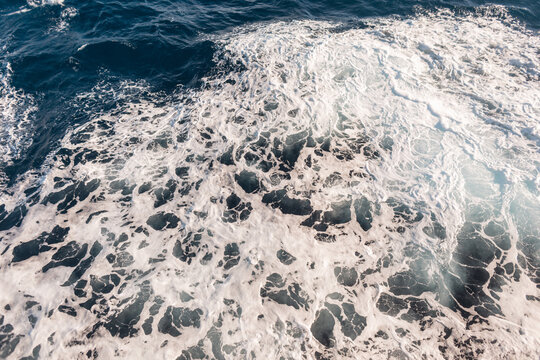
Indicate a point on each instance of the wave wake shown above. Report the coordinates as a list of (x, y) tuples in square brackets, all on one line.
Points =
[(359, 190)]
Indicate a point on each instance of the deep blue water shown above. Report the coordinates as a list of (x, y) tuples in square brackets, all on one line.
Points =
[(158, 42)]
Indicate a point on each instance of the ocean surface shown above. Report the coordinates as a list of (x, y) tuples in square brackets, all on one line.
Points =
[(269, 179)]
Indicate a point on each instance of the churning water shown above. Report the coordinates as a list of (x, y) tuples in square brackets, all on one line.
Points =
[(352, 180)]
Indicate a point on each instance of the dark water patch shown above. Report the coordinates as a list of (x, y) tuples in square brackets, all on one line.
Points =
[(403, 213), (325, 238), (346, 276), (284, 257), (68, 255), (472, 248), (28, 249), (363, 210), (123, 259), (248, 181), (352, 323), (276, 289), (188, 248), (104, 284), (84, 265), (391, 305), (78, 290), (340, 213), (123, 323), (177, 318), (279, 199), (13, 218), (67, 197), (411, 308), (227, 157), (144, 187), (289, 151), (236, 209), (162, 220), (231, 256), (8, 340), (121, 186), (165, 194), (323, 328), (436, 229), (409, 283), (192, 353), (67, 310), (529, 246)]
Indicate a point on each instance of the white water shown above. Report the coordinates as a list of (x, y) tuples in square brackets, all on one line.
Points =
[(16, 110), (458, 96)]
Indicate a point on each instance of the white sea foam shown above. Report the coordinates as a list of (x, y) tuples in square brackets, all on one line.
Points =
[(33, 4), (16, 110), (438, 113), (39, 3), (65, 16)]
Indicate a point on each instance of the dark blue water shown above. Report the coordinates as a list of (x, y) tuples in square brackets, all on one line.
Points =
[(158, 42)]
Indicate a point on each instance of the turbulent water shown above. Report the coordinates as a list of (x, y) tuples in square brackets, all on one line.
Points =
[(308, 187)]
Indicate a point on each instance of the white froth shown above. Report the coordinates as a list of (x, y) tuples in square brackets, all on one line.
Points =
[(16, 110), (39, 3), (458, 96)]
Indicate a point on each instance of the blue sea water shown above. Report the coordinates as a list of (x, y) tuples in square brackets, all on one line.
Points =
[(269, 179)]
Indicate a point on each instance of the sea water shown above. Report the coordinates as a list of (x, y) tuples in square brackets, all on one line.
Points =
[(278, 180)]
